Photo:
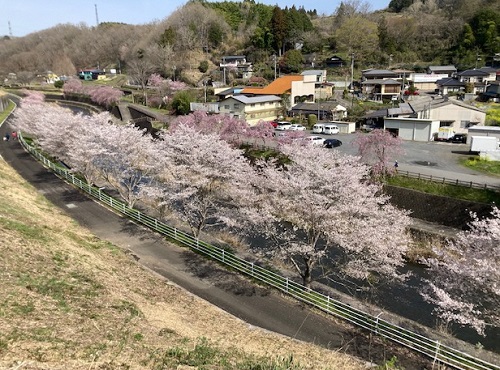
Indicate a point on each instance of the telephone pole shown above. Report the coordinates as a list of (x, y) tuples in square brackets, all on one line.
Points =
[(96, 15)]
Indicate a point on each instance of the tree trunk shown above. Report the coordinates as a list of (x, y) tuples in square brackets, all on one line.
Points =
[(306, 275)]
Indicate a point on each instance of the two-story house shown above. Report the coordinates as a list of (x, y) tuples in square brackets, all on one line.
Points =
[(478, 78), (292, 89), (380, 84), (253, 109), (238, 64)]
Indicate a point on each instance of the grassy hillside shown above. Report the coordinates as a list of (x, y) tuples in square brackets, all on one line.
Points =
[(69, 300)]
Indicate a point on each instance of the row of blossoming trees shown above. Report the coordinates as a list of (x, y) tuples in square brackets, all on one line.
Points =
[(320, 206)]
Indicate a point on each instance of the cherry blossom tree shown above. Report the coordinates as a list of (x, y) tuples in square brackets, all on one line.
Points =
[(321, 208), (202, 173), (73, 86), (378, 148), (129, 160), (87, 143), (230, 129), (465, 283), (106, 96)]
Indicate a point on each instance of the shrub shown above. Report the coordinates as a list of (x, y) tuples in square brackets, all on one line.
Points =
[(203, 67)]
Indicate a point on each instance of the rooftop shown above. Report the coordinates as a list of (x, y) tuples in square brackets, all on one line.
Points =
[(279, 86)]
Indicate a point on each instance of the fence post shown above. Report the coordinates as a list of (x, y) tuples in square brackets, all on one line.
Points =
[(436, 354), (286, 285), (223, 251), (376, 322), (251, 270)]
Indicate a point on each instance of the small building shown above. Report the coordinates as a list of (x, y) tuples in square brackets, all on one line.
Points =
[(483, 131), (449, 71), (414, 129), (319, 74), (492, 92), (253, 109), (449, 85), (426, 81), (334, 62), (92, 74), (324, 110), (345, 127)]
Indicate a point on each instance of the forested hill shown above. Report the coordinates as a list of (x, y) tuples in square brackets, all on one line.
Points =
[(409, 33)]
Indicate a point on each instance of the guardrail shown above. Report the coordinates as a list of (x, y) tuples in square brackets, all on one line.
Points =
[(443, 180), (437, 351)]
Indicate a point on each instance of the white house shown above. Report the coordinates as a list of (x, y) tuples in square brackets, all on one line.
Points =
[(293, 88)]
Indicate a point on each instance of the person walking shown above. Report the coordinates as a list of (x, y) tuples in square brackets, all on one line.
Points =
[(14, 135), (7, 137)]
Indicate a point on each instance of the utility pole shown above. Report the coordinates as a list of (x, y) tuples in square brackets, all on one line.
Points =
[(96, 15), (274, 58), (10, 30), (352, 72)]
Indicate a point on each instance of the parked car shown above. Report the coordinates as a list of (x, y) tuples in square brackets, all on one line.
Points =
[(318, 128), (283, 125), (297, 127), (458, 138), (331, 129), (314, 140), (332, 143)]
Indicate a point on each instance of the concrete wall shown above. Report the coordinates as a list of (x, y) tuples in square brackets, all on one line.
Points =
[(437, 209)]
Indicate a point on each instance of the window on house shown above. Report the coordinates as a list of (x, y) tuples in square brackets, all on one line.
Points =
[(226, 107), (464, 124), (262, 104), (252, 105), (236, 106)]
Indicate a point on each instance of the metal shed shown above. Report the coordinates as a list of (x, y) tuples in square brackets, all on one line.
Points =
[(414, 129), (483, 131)]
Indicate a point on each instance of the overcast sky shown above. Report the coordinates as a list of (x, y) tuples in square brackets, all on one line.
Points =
[(27, 16)]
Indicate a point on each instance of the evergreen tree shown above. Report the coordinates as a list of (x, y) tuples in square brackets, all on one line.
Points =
[(278, 28)]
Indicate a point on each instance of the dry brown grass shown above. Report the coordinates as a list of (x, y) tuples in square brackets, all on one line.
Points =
[(71, 301)]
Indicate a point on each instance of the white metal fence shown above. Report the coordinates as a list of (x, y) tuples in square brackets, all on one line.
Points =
[(429, 347)]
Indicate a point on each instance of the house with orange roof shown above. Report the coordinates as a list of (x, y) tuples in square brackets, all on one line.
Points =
[(292, 89)]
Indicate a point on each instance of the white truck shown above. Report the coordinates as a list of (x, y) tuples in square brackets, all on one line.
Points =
[(480, 144), (445, 133)]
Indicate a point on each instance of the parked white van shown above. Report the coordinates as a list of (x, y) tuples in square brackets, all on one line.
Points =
[(330, 129), (318, 128)]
